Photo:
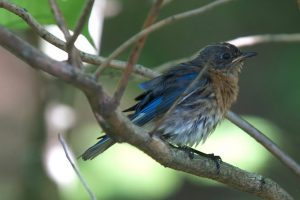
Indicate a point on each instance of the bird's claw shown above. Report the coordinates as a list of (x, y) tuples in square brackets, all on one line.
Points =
[(191, 153)]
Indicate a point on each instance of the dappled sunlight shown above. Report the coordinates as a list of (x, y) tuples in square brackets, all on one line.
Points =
[(237, 147), (123, 171), (58, 167), (59, 118), (245, 41), (57, 54)]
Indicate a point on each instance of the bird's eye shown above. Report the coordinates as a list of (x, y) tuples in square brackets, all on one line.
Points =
[(225, 56)]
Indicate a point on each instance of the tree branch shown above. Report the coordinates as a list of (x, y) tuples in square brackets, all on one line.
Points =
[(59, 18), (114, 123), (60, 21), (85, 13), (74, 56), (38, 60), (135, 54), (265, 141), (265, 38)]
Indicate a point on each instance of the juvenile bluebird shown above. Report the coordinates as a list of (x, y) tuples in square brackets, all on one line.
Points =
[(197, 113)]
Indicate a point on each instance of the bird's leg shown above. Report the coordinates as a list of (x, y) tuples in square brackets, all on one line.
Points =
[(191, 152)]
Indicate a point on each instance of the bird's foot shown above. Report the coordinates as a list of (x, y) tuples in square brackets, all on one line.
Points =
[(191, 153)]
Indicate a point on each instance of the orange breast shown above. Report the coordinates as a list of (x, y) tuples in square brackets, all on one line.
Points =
[(225, 87)]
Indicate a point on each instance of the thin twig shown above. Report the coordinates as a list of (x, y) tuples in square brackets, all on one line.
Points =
[(85, 13), (152, 15), (265, 38), (169, 20), (59, 18), (84, 183), (264, 140), (73, 53), (298, 1), (74, 56)]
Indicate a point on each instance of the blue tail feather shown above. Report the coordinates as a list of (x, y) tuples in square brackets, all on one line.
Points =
[(103, 144)]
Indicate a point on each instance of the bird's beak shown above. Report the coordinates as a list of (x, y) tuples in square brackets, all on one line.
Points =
[(244, 55), (248, 54)]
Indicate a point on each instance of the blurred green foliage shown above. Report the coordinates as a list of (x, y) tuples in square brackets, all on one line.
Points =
[(40, 10)]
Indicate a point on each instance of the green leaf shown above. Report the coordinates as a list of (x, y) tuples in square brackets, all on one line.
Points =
[(40, 10)]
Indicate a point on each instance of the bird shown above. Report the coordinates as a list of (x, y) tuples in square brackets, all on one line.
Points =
[(197, 111)]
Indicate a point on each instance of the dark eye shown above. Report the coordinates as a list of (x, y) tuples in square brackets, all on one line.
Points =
[(225, 56)]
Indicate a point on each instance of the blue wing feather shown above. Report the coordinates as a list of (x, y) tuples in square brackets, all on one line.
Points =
[(154, 108), (148, 85), (161, 92)]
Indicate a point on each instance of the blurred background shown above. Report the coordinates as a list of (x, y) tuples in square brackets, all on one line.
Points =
[(35, 107)]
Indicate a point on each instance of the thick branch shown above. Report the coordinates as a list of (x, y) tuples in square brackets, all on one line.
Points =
[(38, 60), (116, 124)]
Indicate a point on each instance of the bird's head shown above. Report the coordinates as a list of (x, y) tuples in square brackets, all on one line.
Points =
[(223, 57)]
